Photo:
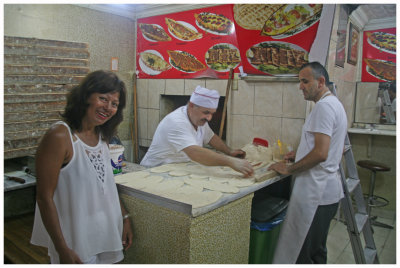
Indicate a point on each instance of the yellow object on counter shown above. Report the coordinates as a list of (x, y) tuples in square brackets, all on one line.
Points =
[(280, 146)]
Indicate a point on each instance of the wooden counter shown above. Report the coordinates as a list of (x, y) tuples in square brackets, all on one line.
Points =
[(168, 231)]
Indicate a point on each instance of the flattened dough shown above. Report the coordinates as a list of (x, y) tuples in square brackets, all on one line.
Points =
[(162, 169), (238, 182), (194, 197), (198, 176), (163, 187), (212, 185), (124, 178), (141, 183), (219, 179), (186, 188), (179, 173)]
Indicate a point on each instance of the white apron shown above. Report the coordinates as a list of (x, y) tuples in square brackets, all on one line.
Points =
[(309, 189), (301, 210)]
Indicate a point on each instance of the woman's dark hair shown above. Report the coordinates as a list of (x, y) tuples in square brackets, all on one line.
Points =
[(317, 70), (77, 101)]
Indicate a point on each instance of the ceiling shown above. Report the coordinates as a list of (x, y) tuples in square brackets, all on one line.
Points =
[(365, 15)]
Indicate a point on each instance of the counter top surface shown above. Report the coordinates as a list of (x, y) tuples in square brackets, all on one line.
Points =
[(372, 131), (187, 208), (10, 185)]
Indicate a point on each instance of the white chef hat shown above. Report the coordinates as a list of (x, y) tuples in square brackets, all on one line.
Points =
[(204, 97)]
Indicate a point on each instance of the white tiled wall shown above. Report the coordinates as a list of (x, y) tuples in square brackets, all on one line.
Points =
[(266, 110)]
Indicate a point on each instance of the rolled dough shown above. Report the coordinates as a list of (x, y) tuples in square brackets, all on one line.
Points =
[(213, 185), (178, 173), (163, 168), (198, 176), (124, 178), (141, 183), (194, 197), (163, 187), (241, 182)]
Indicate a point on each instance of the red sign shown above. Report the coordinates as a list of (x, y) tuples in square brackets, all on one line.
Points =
[(379, 55), (272, 39), (188, 44)]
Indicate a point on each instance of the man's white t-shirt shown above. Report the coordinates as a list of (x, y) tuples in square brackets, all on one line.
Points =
[(174, 133), (327, 117)]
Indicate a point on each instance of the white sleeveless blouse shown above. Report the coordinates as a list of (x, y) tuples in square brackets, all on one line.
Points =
[(87, 203)]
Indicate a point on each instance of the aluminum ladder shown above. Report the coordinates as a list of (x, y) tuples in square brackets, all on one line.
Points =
[(356, 218), (387, 107)]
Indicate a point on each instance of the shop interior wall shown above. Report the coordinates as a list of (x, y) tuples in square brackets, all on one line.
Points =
[(374, 147), (108, 36)]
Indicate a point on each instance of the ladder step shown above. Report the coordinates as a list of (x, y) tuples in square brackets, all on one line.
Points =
[(352, 184), (361, 219), (370, 255), (347, 148)]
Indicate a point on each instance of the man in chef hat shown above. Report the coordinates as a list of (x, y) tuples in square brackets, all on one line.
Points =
[(180, 137)]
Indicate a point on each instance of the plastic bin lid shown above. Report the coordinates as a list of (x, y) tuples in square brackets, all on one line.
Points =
[(268, 208)]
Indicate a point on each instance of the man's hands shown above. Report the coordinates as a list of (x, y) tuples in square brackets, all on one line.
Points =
[(282, 167), (238, 153), (242, 166), (290, 156)]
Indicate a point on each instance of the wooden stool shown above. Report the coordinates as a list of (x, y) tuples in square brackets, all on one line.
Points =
[(374, 200)]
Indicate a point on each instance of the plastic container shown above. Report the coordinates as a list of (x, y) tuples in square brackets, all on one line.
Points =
[(259, 141), (116, 153), (267, 218)]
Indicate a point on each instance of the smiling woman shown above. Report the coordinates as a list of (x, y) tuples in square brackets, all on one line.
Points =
[(100, 82), (79, 217)]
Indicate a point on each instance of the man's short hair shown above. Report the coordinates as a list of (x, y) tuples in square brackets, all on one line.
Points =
[(317, 70)]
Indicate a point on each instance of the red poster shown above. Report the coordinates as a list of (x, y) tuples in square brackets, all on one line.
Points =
[(189, 44), (379, 56), (274, 46), (272, 39)]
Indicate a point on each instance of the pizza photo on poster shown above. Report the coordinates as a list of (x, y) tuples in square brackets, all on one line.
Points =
[(152, 62), (153, 32), (182, 30), (261, 39), (275, 39), (381, 69), (185, 62), (385, 42), (190, 44), (291, 19), (379, 56), (214, 23)]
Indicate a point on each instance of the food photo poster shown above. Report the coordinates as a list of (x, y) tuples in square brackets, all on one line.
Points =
[(262, 39), (354, 37), (341, 36), (379, 56)]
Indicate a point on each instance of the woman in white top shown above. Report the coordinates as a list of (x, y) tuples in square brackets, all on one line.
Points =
[(79, 216)]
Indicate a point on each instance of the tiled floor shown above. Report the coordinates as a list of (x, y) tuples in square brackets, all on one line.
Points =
[(339, 247)]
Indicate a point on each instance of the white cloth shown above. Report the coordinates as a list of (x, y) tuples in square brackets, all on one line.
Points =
[(320, 185), (204, 97), (87, 204), (174, 133)]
